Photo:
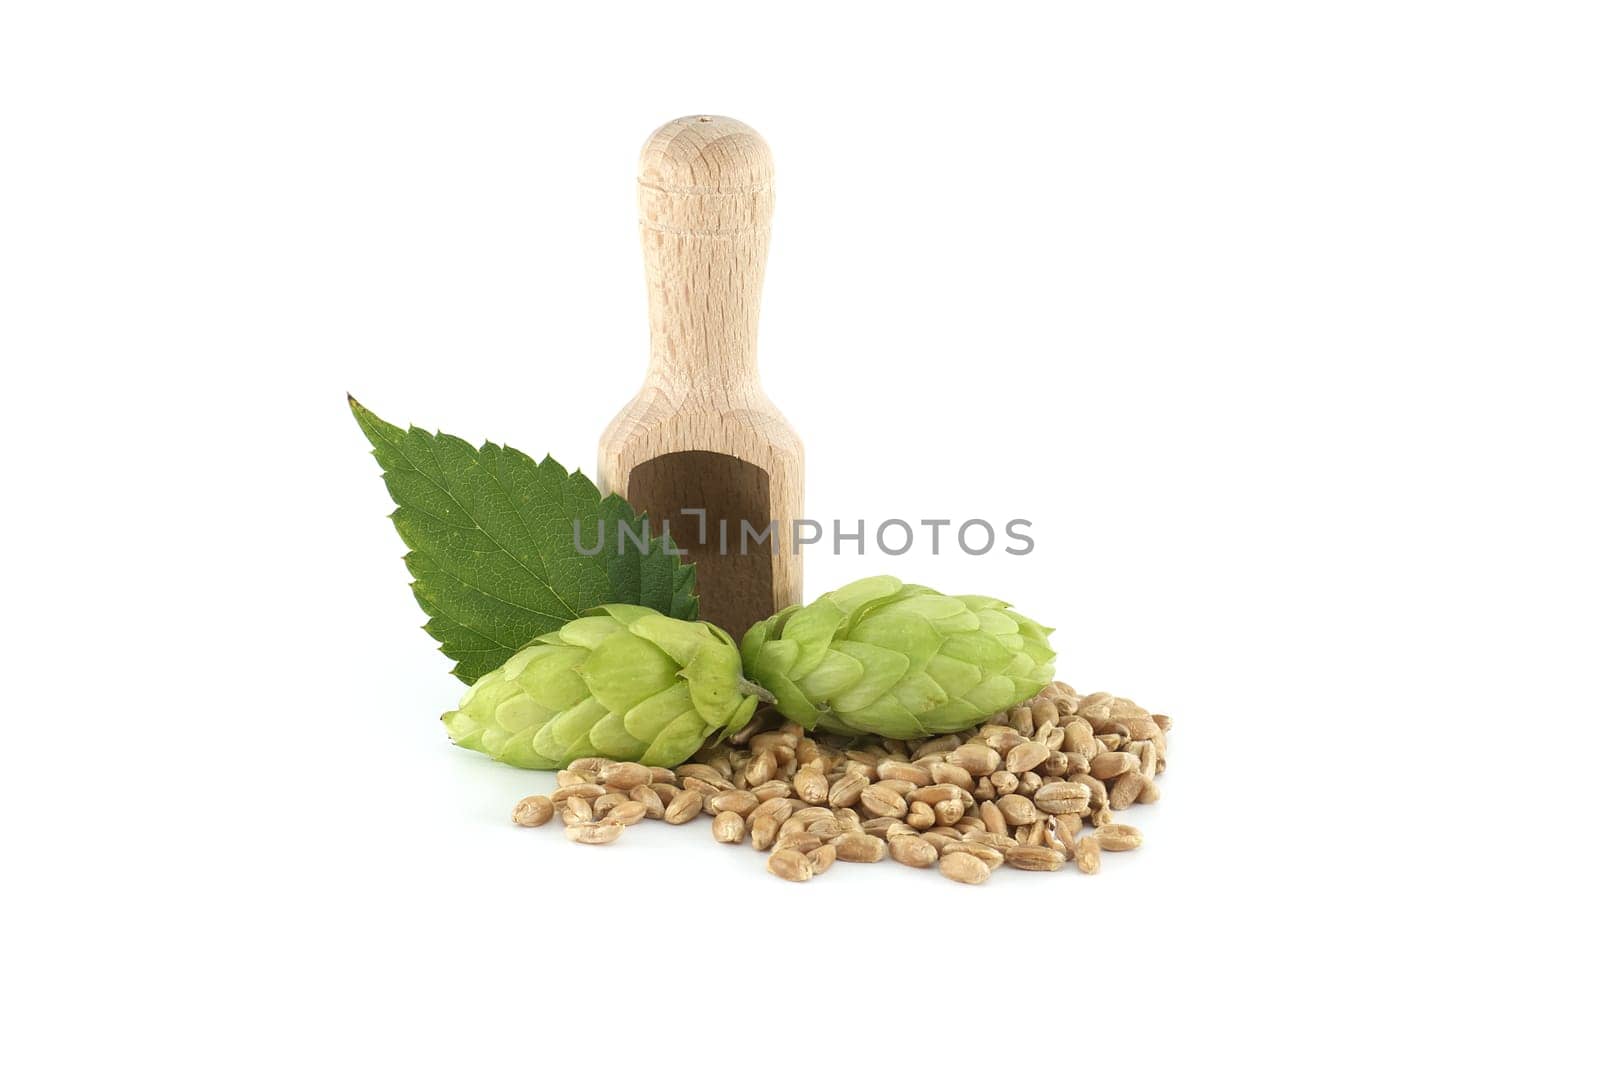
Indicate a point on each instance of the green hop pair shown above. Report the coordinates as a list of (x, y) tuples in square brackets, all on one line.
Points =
[(876, 657)]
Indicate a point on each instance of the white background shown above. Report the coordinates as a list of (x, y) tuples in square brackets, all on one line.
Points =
[(1278, 320)]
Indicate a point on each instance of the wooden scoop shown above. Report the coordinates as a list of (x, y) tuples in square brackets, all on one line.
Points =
[(701, 435)]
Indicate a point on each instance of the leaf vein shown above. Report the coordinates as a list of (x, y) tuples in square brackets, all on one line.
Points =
[(494, 475)]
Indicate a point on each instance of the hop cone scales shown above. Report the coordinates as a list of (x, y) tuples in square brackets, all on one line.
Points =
[(623, 682), (880, 657)]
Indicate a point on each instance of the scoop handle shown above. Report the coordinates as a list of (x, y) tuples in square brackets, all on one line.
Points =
[(705, 210)]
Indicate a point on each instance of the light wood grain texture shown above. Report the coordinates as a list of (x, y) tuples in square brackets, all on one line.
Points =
[(701, 433)]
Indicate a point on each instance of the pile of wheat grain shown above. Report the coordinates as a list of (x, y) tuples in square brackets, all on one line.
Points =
[(1034, 788)]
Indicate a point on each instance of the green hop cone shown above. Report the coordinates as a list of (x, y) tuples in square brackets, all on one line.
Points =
[(622, 682), (880, 657)]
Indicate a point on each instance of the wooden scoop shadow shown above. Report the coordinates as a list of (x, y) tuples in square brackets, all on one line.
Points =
[(731, 543)]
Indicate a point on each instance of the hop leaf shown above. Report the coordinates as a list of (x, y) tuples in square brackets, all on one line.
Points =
[(879, 657), (492, 552)]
